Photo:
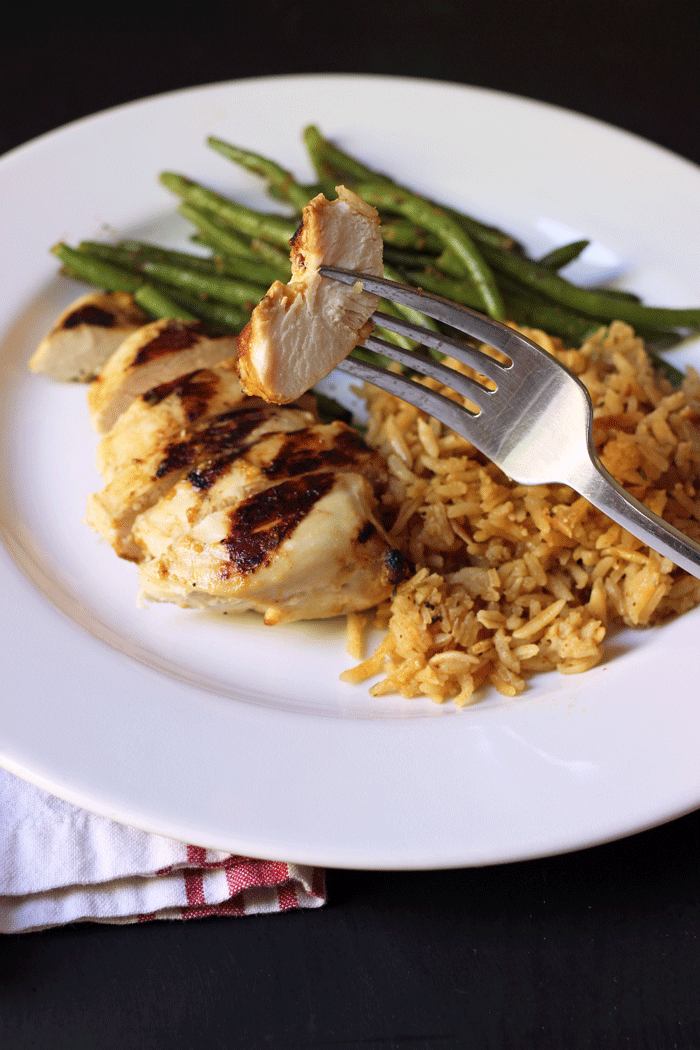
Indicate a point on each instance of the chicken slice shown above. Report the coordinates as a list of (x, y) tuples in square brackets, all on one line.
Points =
[(142, 482), (85, 335), (226, 480), (155, 354), (156, 417), (307, 548), (300, 331)]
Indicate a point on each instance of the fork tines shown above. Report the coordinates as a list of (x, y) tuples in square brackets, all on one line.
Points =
[(490, 371)]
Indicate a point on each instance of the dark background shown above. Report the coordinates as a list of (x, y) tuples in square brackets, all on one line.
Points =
[(597, 949)]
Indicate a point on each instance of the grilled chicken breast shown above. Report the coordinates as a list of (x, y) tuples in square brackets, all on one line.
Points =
[(226, 480), (154, 418), (300, 331), (306, 548), (143, 481), (219, 480), (86, 335), (157, 353)]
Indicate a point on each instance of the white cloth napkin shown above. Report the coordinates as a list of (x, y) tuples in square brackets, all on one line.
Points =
[(60, 864)]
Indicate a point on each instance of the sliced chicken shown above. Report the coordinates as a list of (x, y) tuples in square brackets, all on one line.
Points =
[(157, 353), (300, 331), (143, 481), (307, 548), (156, 417), (226, 480), (86, 335)]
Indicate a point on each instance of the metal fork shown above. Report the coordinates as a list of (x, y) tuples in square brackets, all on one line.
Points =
[(535, 422)]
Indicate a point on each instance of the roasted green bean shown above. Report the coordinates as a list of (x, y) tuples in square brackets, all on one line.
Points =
[(435, 220)]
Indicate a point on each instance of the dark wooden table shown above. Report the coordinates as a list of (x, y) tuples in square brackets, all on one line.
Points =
[(600, 948)]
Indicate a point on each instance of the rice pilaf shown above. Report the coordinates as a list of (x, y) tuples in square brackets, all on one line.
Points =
[(513, 580)]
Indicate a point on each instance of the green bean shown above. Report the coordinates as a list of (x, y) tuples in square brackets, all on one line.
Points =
[(514, 289), (289, 189), (674, 376), (332, 162), (406, 311), (405, 234), (449, 263), (131, 255), (484, 234), (270, 254), (450, 233), (222, 315), (158, 304), (459, 290), (589, 301), (277, 260), (269, 226), (330, 410), (311, 190), (252, 270), (526, 310), (619, 293), (558, 258), (216, 233), (248, 269), (548, 317), (144, 250), (389, 308), (409, 260), (226, 289), (96, 272)]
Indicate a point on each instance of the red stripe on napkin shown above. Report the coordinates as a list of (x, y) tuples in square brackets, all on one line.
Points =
[(60, 864), (252, 886)]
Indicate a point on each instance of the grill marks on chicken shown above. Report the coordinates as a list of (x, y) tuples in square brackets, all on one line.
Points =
[(155, 354), (231, 503), (233, 500), (224, 481), (292, 551), (221, 440), (85, 336), (148, 477), (262, 522), (160, 414)]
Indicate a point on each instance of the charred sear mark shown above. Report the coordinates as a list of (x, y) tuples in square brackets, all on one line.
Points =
[(366, 532), (90, 314), (397, 566), (303, 451), (225, 435), (263, 521), (204, 477), (175, 336), (194, 391), (296, 254)]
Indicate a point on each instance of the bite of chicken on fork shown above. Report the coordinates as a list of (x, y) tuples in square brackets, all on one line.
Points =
[(301, 330)]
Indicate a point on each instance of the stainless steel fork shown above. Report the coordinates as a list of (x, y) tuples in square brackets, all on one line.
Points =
[(534, 420)]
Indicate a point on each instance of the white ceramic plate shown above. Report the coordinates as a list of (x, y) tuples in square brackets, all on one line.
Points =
[(227, 734)]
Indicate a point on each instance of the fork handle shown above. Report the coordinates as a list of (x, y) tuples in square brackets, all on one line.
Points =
[(600, 488)]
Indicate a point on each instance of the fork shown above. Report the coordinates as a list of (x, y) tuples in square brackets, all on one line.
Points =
[(533, 420)]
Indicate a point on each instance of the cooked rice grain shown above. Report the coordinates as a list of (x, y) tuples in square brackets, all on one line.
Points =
[(514, 580)]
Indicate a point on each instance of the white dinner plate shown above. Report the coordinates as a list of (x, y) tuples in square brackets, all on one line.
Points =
[(225, 733)]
